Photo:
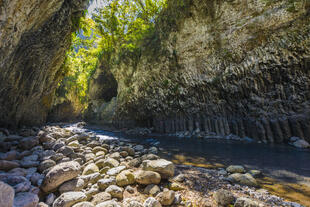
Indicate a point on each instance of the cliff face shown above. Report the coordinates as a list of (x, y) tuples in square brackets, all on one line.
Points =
[(34, 37), (229, 67)]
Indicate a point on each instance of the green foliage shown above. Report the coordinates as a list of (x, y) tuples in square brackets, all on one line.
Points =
[(80, 63), (124, 24), (113, 34)]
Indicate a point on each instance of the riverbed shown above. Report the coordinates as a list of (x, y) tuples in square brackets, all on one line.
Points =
[(286, 169)]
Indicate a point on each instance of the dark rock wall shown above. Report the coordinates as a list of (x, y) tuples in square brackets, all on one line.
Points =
[(228, 67), (34, 37)]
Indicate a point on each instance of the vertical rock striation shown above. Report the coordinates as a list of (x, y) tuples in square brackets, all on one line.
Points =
[(228, 67)]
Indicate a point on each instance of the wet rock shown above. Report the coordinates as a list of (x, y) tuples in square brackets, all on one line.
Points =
[(83, 204), (68, 199), (300, 143), (256, 173), (104, 183), (6, 195), (147, 177), (8, 165), (110, 203), (138, 148), (243, 179), (60, 174), (90, 169), (151, 189), (235, 169), (100, 198), (115, 191), (151, 202), (246, 202), (223, 197), (26, 199), (75, 184), (166, 198), (125, 178), (163, 167)]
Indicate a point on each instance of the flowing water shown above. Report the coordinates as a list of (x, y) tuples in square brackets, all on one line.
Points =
[(287, 169)]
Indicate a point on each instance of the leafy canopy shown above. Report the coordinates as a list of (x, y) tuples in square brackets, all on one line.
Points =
[(115, 30)]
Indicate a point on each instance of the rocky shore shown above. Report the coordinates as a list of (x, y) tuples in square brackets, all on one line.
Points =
[(58, 166)]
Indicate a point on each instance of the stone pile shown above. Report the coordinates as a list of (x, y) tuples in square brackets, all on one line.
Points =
[(63, 167)]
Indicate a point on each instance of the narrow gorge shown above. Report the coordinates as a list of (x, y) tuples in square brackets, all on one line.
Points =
[(151, 103)]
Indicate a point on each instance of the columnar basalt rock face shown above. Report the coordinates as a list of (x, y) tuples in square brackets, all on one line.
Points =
[(34, 37), (228, 67)]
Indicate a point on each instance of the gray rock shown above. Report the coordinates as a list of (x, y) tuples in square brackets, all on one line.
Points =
[(116, 170), (28, 143), (131, 202), (8, 165), (301, 144), (6, 195), (19, 183), (151, 189), (26, 199), (223, 197), (125, 178), (50, 199), (235, 169), (100, 198), (164, 167), (147, 177), (83, 204), (246, 202), (151, 202), (91, 178), (104, 183), (166, 198), (11, 155), (110, 203), (75, 184), (46, 164), (90, 169), (60, 174), (115, 191), (68, 199), (243, 179)]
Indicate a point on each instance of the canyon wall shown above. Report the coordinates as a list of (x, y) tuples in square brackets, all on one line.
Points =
[(34, 36), (223, 67)]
